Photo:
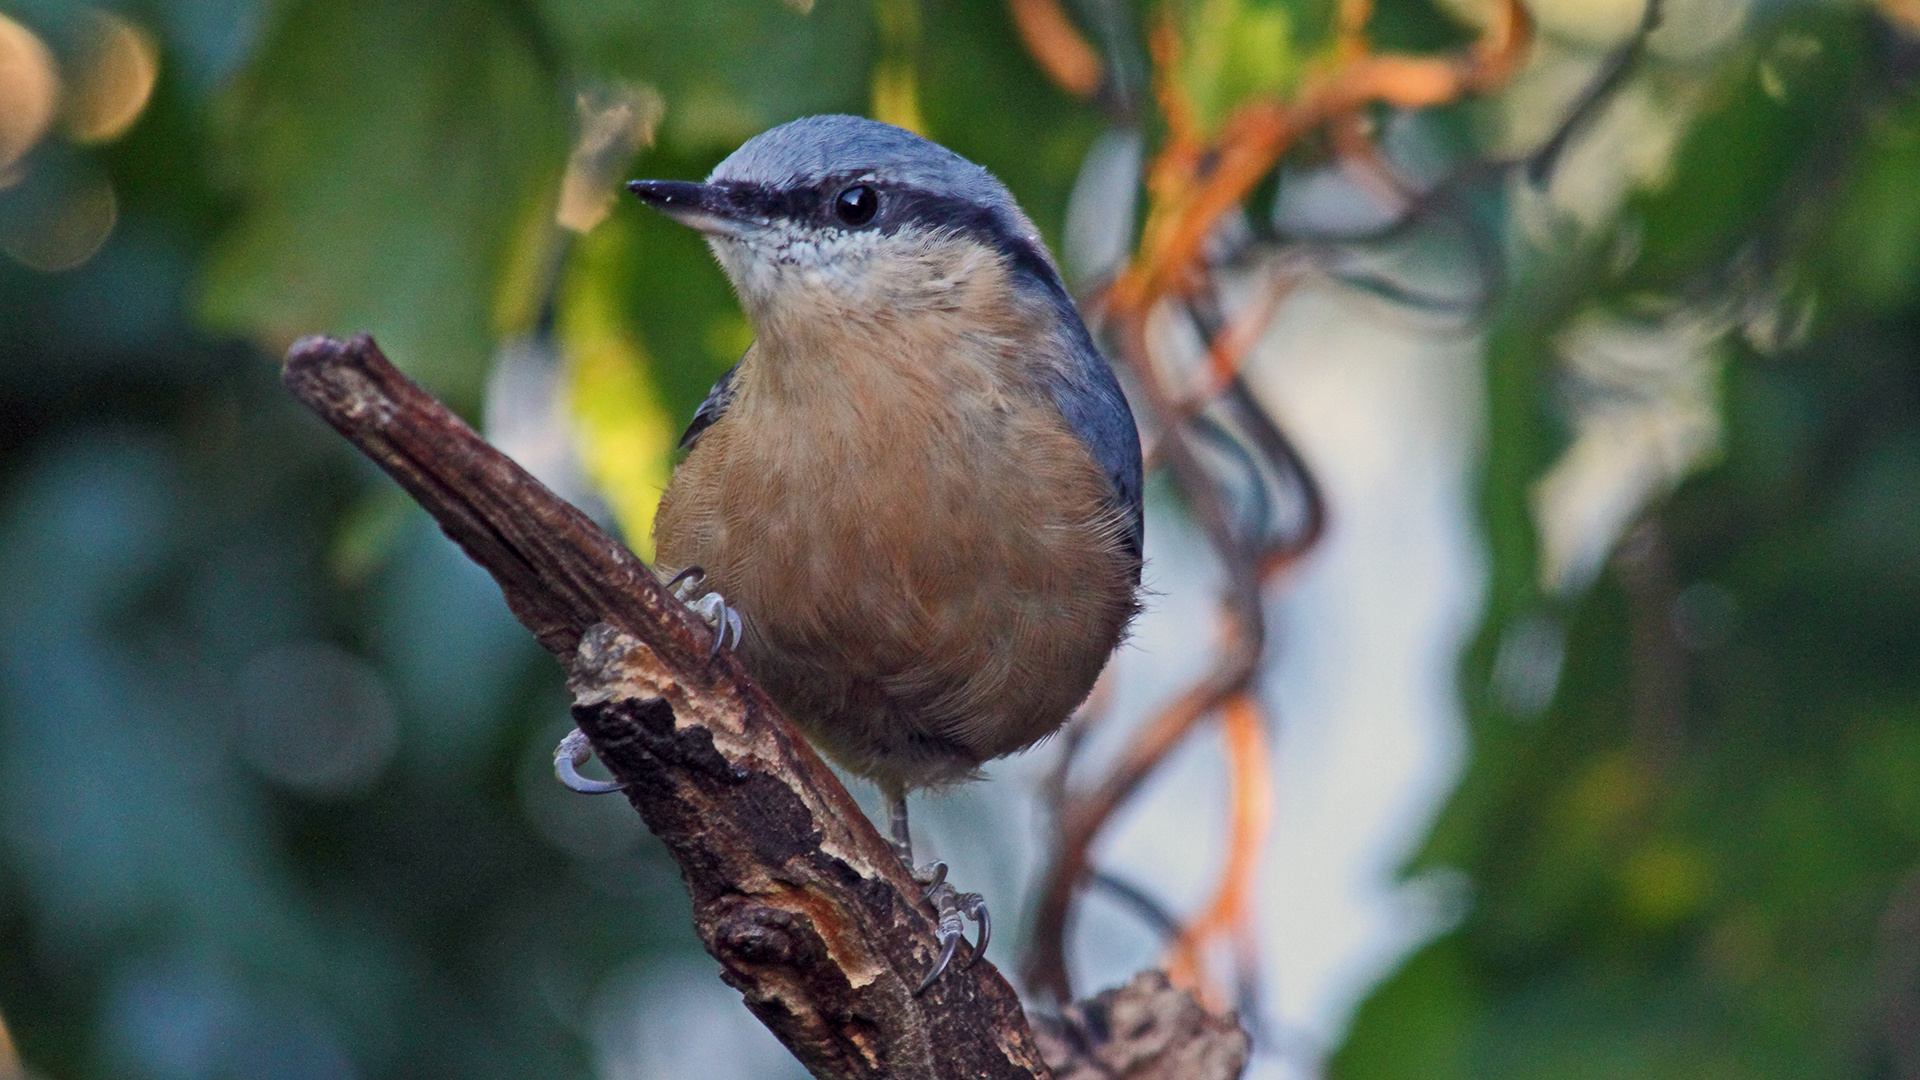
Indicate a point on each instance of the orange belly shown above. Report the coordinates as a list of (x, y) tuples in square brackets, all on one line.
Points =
[(921, 594)]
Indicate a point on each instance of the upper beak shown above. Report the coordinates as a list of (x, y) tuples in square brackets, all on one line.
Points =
[(700, 206)]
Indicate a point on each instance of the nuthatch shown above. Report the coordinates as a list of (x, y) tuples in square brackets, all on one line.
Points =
[(920, 487)]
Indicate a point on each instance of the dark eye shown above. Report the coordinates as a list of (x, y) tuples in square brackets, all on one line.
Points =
[(856, 205)]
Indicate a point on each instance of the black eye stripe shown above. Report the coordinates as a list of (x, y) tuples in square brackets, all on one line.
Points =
[(899, 207), (755, 200), (914, 208)]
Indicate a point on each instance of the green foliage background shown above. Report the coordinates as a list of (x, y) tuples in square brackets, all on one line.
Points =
[(1699, 859), (1721, 883)]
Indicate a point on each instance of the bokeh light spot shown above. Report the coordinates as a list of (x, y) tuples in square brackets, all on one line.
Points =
[(315, 718), (112, 78), (10, 1067), (29, 91), (67, 230), (1665, 882)]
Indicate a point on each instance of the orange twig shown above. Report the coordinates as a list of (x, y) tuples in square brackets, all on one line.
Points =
[(1235, 663), (1083, 818), (1350, 29), (1260, 132), (1231, 345), (1255, 137), (1054, 41), (1251, 791), (1179, 159)]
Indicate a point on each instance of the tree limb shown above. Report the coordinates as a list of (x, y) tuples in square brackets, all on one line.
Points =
[(794, 892)]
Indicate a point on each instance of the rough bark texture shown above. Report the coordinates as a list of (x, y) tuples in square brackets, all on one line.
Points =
[(1145, 1030), (805, 907), (794, 891)]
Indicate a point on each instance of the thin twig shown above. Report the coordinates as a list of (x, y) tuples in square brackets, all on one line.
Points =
[(1540, 164), (1251, 792), (1137, 899), (1195, 182)]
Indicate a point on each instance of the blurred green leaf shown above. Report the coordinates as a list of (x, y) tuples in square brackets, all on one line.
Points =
[(728, 69), (381, 153), (1875, 249), (1417, 1022), (1774, 126), (1236, 50), (626, 440), (1668, 879)]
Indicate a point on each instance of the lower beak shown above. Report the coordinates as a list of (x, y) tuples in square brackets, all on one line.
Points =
[(698, 206)]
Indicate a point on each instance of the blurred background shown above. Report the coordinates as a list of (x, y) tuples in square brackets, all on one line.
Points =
[(1588, 732)]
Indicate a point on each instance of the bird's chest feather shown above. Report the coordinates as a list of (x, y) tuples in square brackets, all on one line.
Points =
[(893, 499), (931, 566), (881, 491)]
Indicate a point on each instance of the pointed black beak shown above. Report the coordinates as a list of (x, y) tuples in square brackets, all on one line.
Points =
[(698, 206), (669, 195)]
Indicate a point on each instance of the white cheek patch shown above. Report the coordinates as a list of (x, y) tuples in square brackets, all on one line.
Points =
[(785, 259), (785, 264), (835, 262)]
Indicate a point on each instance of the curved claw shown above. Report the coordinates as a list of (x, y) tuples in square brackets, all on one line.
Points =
[(722, 617), (946, 957), (719, 632), (692, 575), (572, 752), (735, 624), (975, 905), (719, 628), (953, 908)]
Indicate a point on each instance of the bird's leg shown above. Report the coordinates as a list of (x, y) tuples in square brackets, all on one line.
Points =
[(952, 906), (897, 820), (721, 617)]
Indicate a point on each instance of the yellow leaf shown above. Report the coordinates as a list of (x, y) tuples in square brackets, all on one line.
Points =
[(533, 250), (896, 92), (1236, 50), (625, 437)]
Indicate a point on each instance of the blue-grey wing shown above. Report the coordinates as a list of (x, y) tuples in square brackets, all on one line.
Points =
[(711, 409), (1090, 398), (1085, 389)]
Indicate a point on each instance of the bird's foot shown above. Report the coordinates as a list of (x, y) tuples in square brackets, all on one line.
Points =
[(954, 908), (573, 752), (721, 617)]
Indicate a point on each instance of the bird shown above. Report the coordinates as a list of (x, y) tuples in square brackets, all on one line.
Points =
[(915, 503)]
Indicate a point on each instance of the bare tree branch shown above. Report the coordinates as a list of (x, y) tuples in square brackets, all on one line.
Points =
[(794, 892)]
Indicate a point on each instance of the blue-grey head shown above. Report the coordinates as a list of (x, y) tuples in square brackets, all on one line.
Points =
[(850, 212)]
